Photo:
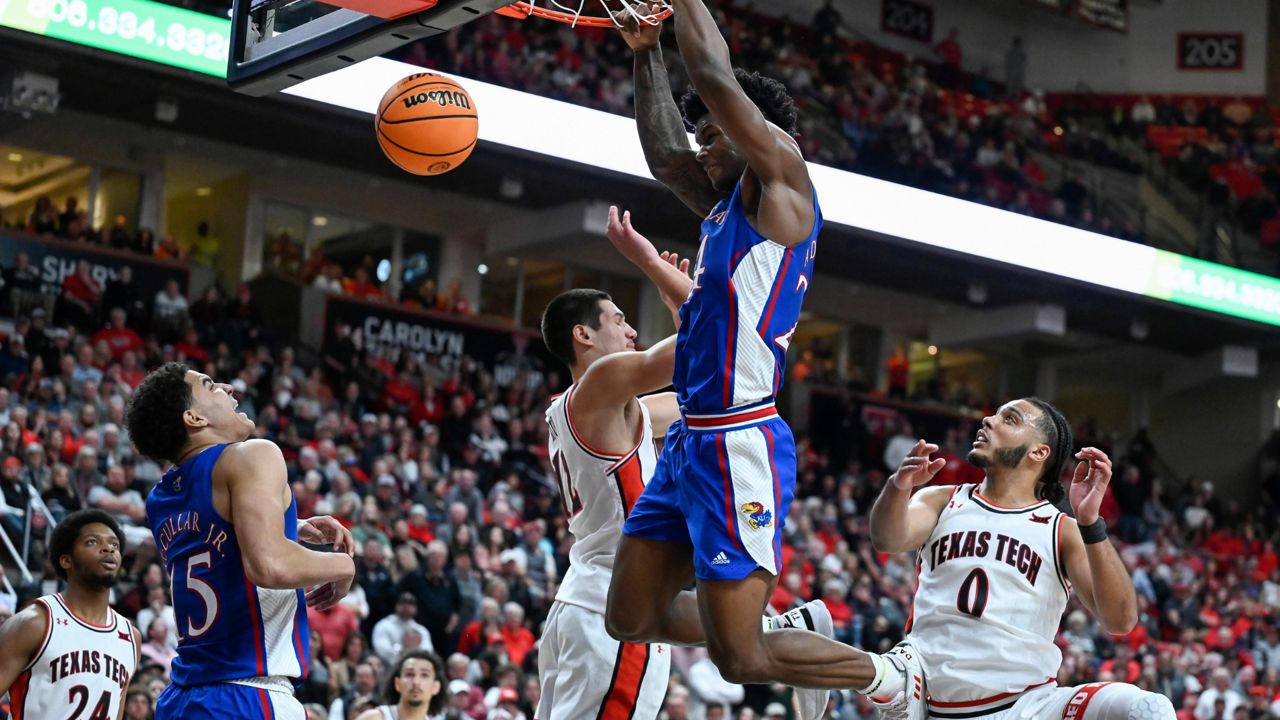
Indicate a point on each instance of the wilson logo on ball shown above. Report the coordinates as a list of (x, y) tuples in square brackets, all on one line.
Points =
[(440, 97), (427, 124)]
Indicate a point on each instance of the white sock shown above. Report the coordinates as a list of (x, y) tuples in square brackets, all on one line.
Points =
[(887, 683), (799, 618)]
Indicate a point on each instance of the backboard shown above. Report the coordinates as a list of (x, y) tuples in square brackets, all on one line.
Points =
[(278, 43)]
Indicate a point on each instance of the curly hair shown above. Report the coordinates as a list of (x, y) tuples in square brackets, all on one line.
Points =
[(63, 541), (769, 95), (154, 417), (391, 696), (1053, 425)]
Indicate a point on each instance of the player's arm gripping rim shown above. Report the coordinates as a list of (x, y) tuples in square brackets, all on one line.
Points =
[(785, 214), (255, 478), (900, 522), (1096, 571), (662, 133), (20, 638)]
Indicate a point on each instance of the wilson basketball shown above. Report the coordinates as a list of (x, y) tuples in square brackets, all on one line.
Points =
[(427, 124)]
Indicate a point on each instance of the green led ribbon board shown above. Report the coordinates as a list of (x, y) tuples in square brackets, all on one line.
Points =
[(138, 28)]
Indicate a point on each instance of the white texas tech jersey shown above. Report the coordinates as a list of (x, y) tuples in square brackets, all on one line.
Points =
[(991, 595), (597, 490), (81, 670)]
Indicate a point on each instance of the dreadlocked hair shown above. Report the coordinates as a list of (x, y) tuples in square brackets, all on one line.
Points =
[(769, 95), (1057, 434)]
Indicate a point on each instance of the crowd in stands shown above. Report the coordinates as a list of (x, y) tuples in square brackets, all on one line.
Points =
[(72, 223), (443, 478), (83, 299), (863, 108)]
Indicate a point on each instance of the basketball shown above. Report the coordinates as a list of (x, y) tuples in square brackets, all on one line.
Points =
[(427, 124)]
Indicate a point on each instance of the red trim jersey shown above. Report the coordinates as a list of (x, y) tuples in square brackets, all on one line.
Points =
[(597, 490), (991, 595), (80, 671)]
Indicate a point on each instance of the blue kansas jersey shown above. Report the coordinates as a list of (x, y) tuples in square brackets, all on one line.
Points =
[(742, 311), (228, 628)]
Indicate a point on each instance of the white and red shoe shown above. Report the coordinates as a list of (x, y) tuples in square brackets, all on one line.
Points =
[(909, 703)]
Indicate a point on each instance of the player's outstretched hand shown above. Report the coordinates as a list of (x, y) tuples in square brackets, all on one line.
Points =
[(1089, 484), (633, 246), (638, 35), (675, 261), (916, 468), (326, 530)]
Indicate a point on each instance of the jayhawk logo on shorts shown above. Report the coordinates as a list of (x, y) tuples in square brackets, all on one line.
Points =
[(757, 516)]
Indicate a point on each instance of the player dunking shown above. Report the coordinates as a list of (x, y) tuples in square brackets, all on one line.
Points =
[(601, 447), (226, 525), (413, 690), (997, 564), (70, 654), (715, 508)]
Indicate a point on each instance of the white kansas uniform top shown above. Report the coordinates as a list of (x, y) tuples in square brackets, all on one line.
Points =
[(597, 490), (991, 595)]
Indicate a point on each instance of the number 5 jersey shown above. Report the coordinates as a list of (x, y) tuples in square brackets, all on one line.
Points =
[(228, 628)]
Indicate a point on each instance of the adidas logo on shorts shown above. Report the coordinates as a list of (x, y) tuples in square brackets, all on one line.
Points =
[(720, 559)]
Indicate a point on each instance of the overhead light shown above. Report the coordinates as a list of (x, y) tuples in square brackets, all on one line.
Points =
[(319, 221), (933, 349), (513, 262), (384, 270), (483, 269), (977, 292), (15, 157), (204, 192)]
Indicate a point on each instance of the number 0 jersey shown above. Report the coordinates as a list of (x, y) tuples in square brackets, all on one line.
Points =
[(597, 490), (80, 671), (991, 595), (228, 628)]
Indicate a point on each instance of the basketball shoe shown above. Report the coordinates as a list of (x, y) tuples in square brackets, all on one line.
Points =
[(909, 703), (810, 703)]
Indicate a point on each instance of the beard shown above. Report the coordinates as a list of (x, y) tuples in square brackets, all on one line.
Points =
[(1000, 457), (98, 581), (415, 702)]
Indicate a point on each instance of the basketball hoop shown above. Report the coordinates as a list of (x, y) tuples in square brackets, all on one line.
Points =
[(576, 17)]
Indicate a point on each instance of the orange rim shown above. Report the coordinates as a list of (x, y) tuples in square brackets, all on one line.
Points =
[(522, 10)]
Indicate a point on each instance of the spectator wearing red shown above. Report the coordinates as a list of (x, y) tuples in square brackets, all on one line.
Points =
[(477, 632), (428, 408), (834, 593), (951, 54), (334, 625), (118, 336), (420, 529), (899, 366), (518, 639), (361, 286), (189, 347), (1123, 667), (80, 295)]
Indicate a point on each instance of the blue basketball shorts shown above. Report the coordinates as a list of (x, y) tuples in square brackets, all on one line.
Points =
[(723, 484), (229, 701)]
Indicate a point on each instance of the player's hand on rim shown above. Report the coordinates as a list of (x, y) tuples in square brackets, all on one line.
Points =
[(1089, 484), (638, 35), (916, 468)]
